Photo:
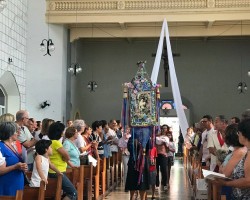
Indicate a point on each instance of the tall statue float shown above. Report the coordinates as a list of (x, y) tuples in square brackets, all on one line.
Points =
[(141, 113)]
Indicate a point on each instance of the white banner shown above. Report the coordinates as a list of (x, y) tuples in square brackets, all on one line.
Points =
[(174, 82)]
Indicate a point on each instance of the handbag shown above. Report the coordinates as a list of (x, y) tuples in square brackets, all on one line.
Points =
[(84, 160)]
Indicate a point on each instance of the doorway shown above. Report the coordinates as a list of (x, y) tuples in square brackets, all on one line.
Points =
[(172, 122), (2, 101), (10, 100)]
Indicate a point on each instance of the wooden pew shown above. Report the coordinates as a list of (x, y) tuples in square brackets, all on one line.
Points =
[(116, 170), (96, 180), (103, 171), (112, 172), (34, 193), (19, 196), (120, 166), (53, 189), (108, 174), (214, 191), (76, 176), (88, 176)]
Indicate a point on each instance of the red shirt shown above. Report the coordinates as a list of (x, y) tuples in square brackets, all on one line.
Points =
[(153, 155)]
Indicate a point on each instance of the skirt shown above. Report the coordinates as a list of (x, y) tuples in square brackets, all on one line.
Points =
[(133, 176)]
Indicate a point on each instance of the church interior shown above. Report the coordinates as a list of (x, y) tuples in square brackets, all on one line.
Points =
[(69, 59)]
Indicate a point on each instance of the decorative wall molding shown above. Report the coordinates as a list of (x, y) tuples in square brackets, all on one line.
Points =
[(232, 3), (81, 5), (129, 18)]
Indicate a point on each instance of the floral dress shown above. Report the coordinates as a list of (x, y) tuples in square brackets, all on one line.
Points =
[(240, 194)]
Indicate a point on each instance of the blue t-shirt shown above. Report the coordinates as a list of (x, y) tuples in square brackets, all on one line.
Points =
[(73, 152)]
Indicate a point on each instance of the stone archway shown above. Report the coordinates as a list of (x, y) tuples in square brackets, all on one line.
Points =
[(9, 85)]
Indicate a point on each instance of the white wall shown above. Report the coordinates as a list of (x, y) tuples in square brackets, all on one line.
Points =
[(46, 75), (13, 41)]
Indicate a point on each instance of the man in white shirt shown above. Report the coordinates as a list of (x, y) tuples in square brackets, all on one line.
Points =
[(207, 124), (26, 138), (215, 140)]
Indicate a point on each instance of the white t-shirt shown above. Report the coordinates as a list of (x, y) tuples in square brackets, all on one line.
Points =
[(79, 142), (113, 147), (162, 139), (2, 159), (35, 178), (214, 142), (204, 140), (36, 136)]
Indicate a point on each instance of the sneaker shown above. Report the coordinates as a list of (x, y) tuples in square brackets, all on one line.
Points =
[(165, 188), (156, 188)]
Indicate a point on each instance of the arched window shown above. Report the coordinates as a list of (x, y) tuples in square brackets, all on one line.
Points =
[(2, 101)]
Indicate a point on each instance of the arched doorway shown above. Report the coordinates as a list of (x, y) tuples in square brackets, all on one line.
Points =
[(9, 94), (2, 101)]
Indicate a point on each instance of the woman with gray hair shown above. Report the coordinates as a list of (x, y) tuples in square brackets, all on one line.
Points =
[(7, 117), (80, 125), (13, 167)]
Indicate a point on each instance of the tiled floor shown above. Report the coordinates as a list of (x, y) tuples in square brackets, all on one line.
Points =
[(180, 188)]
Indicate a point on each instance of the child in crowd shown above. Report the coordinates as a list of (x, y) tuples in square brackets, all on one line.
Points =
[(42, 163), (152, 170)]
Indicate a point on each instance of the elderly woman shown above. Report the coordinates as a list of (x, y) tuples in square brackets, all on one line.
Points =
[(69, 145), (241, 172), (7, 117), (12, 166), (80, 125), (60, 158)]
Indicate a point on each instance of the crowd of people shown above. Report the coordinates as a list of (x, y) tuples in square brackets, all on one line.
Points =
[(222, 146), (47, 148)]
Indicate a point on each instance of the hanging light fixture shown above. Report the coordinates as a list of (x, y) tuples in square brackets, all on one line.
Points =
[(242, 86), (3, 5), (92, 85), (47, 44), (75, 67)]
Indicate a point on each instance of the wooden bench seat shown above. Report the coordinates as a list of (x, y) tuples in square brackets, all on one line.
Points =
[(96, 180), (76, 176), (88, 176), (53, 188), (103, 177), (34, 193), (19, 196)]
